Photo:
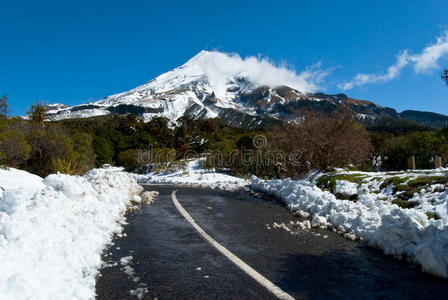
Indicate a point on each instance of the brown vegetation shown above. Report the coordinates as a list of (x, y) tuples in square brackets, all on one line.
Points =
[(322, 141)]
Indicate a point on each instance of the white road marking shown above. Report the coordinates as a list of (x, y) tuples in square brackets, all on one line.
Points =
[(279, 293)]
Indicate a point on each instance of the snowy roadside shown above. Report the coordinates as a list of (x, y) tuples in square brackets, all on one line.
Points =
[(364, 209), (53, 230), (192, 174), (373, 216)]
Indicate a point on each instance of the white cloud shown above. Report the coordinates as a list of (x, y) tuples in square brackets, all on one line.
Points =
[(429, 58), (426, 61), (220, 67)]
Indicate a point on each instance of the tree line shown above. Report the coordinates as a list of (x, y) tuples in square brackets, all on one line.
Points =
[(314, 141)]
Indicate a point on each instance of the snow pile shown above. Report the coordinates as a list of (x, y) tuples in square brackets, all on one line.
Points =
[(14, 179), (346, 187), (194, 174), (398, 231), (53, 231)]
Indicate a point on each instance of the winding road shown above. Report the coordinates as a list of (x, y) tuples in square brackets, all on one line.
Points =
[(172, 259)]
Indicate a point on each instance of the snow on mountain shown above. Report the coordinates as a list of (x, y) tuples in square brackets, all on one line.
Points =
[(241, 92), (222, 74), (203, 87)]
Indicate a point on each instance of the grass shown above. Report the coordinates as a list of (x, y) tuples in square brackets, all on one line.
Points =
[(432, 215), (328, 181), (427, 180), (396, 181), (405, 203), (404, 187), (407, 190)]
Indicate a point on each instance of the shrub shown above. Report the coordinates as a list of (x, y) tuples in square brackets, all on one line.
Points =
[(38, 113), (104, 150), (47, 144), (14, 148), (395, 153), (64, 166), (129, 159), (82, 152)]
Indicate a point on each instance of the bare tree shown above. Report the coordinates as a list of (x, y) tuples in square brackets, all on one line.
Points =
[(323, 141)]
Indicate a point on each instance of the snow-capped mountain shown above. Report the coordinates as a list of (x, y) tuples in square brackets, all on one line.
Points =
[(241, 92)]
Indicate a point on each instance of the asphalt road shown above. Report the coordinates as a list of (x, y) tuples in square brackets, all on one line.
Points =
[(172, 261)]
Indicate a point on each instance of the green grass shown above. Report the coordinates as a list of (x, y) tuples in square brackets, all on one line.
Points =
[(328, 181), (427, 180), (407, 190), (431, 215), (404, 187), (396, 181), (405, 203)]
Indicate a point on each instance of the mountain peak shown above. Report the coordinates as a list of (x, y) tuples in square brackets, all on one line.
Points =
[(212, 84), (201, 54)]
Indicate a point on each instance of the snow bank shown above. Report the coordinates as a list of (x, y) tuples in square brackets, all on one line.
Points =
[(13, 179), (53, 231), (193, 174), (381, 224)]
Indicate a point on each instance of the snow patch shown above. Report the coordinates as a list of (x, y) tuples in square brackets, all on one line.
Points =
[(53, 231), (400, 232), (193, 174)]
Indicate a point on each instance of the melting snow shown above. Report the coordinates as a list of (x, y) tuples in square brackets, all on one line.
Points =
[(398, 231), (53, 231), (194, 174)]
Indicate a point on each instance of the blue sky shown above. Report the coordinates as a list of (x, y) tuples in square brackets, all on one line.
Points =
[(78, 51)]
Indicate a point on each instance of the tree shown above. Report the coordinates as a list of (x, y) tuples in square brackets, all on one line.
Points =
[(14, 149), (129, 159), (3, 106), (104, 150), (38, 113), (49, 148), (445, 76), (321, 141)]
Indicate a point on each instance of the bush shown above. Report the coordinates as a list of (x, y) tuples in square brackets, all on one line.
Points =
[(129, 159), (104, 150), (64, 166), (395, 153), (47, 145), (82, 153), (38, 113), (423, 145), (14, 149)]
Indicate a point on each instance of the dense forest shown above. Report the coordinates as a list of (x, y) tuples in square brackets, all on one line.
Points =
[(319, 141)]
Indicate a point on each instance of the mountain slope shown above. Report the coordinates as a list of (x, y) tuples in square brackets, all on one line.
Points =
[(245, 93)]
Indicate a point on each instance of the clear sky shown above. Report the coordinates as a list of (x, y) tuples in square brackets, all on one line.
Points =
[(77, 51)]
